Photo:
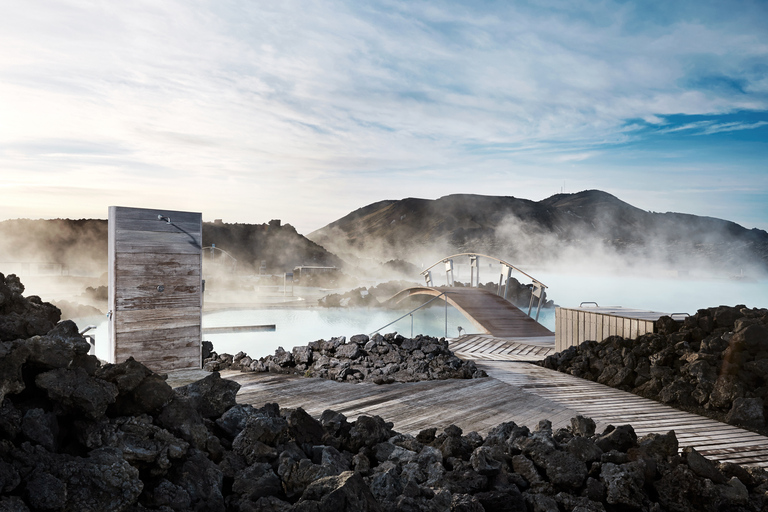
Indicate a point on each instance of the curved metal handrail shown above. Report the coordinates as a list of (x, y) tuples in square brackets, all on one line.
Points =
[(413, 311), (501, 262)]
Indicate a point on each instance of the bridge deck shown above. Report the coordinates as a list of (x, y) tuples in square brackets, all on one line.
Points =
[(515, 391), (487, 311), (489, 348)]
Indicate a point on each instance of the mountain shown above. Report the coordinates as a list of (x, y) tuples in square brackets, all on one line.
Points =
[(591, 228)]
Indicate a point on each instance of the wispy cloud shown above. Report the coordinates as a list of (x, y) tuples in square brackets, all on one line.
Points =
[(298, 99)]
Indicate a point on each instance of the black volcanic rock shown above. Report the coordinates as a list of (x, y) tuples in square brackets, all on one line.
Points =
[(715, 363), (379, 359), (79, 440), (22, 317)]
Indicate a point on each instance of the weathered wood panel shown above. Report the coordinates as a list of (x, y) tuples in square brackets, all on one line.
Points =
[(582, 324), (155, 267)]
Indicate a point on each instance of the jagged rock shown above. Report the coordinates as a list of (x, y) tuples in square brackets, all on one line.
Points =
[(181, 418), (382, 360), (303, 428), (234, 420), (621, 438), (77, 391), (167, 494), (346, 492), (203, 482), (702, 466), (22, 317), (41, 427), (624, 483), (466, 503), (748, 412), (582, 426), (257, 481), (102, 481), (13, 354), (486, 460), (140, 391), (562, 468), (261, 432), (584, 449), (368, 431), (212, 396)]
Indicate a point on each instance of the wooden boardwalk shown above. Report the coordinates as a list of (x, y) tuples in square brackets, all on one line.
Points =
[(487, 311), (605, 405), (516, 391), (488, 348)]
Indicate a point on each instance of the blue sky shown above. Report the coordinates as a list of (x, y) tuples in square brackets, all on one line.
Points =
[(307, 110)]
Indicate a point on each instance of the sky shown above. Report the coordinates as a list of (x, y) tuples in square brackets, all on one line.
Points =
[(304, 111)]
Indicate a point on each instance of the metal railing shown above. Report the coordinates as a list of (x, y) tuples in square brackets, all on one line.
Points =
[(411, 312), (538, 290)]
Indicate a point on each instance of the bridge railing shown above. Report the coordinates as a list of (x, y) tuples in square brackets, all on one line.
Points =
[(538, 292), (411, 312)]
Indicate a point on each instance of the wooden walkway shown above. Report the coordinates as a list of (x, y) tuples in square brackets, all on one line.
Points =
[(488, 348), (605, 405), (487, 311), (516, 391)]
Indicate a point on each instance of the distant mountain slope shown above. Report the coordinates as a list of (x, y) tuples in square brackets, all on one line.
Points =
[(587, 228), (80, 246)]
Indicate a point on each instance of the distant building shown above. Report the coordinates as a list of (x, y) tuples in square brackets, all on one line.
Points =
[(307, 270)]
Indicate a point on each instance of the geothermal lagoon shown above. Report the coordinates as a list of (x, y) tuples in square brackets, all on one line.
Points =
[(299, 321)]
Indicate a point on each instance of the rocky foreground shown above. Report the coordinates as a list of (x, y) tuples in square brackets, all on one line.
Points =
[(379, 359), (76, 435), (80, 436), (714, 363)]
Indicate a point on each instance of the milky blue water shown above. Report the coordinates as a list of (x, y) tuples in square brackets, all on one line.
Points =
[(296, 327)]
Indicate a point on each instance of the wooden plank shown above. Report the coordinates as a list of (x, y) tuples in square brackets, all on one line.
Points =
[(155, 265), (481, 404), (158, 318), (143, 286), (176, 301), (158, 247), (128, 213), (159, 335), (152, 225)]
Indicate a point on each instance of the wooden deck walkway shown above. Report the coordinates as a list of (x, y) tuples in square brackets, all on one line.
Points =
[(489, 348), (487, 311), (516, 391)]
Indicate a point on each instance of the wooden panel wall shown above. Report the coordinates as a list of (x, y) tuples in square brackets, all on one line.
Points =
[(575, 326), (155, 287)]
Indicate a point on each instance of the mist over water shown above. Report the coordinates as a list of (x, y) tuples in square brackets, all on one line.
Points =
[(663, 294), (299, 326)]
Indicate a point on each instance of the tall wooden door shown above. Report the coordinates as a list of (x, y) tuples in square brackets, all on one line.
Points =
[(155, 287)]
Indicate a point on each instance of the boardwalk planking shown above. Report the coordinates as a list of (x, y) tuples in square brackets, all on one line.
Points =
[(472, 346), (516, 391)]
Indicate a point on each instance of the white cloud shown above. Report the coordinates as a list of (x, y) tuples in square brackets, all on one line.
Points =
[(292, 102)]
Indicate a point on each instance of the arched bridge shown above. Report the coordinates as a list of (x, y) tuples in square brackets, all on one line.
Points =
[(487, 311), (491, 313)]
